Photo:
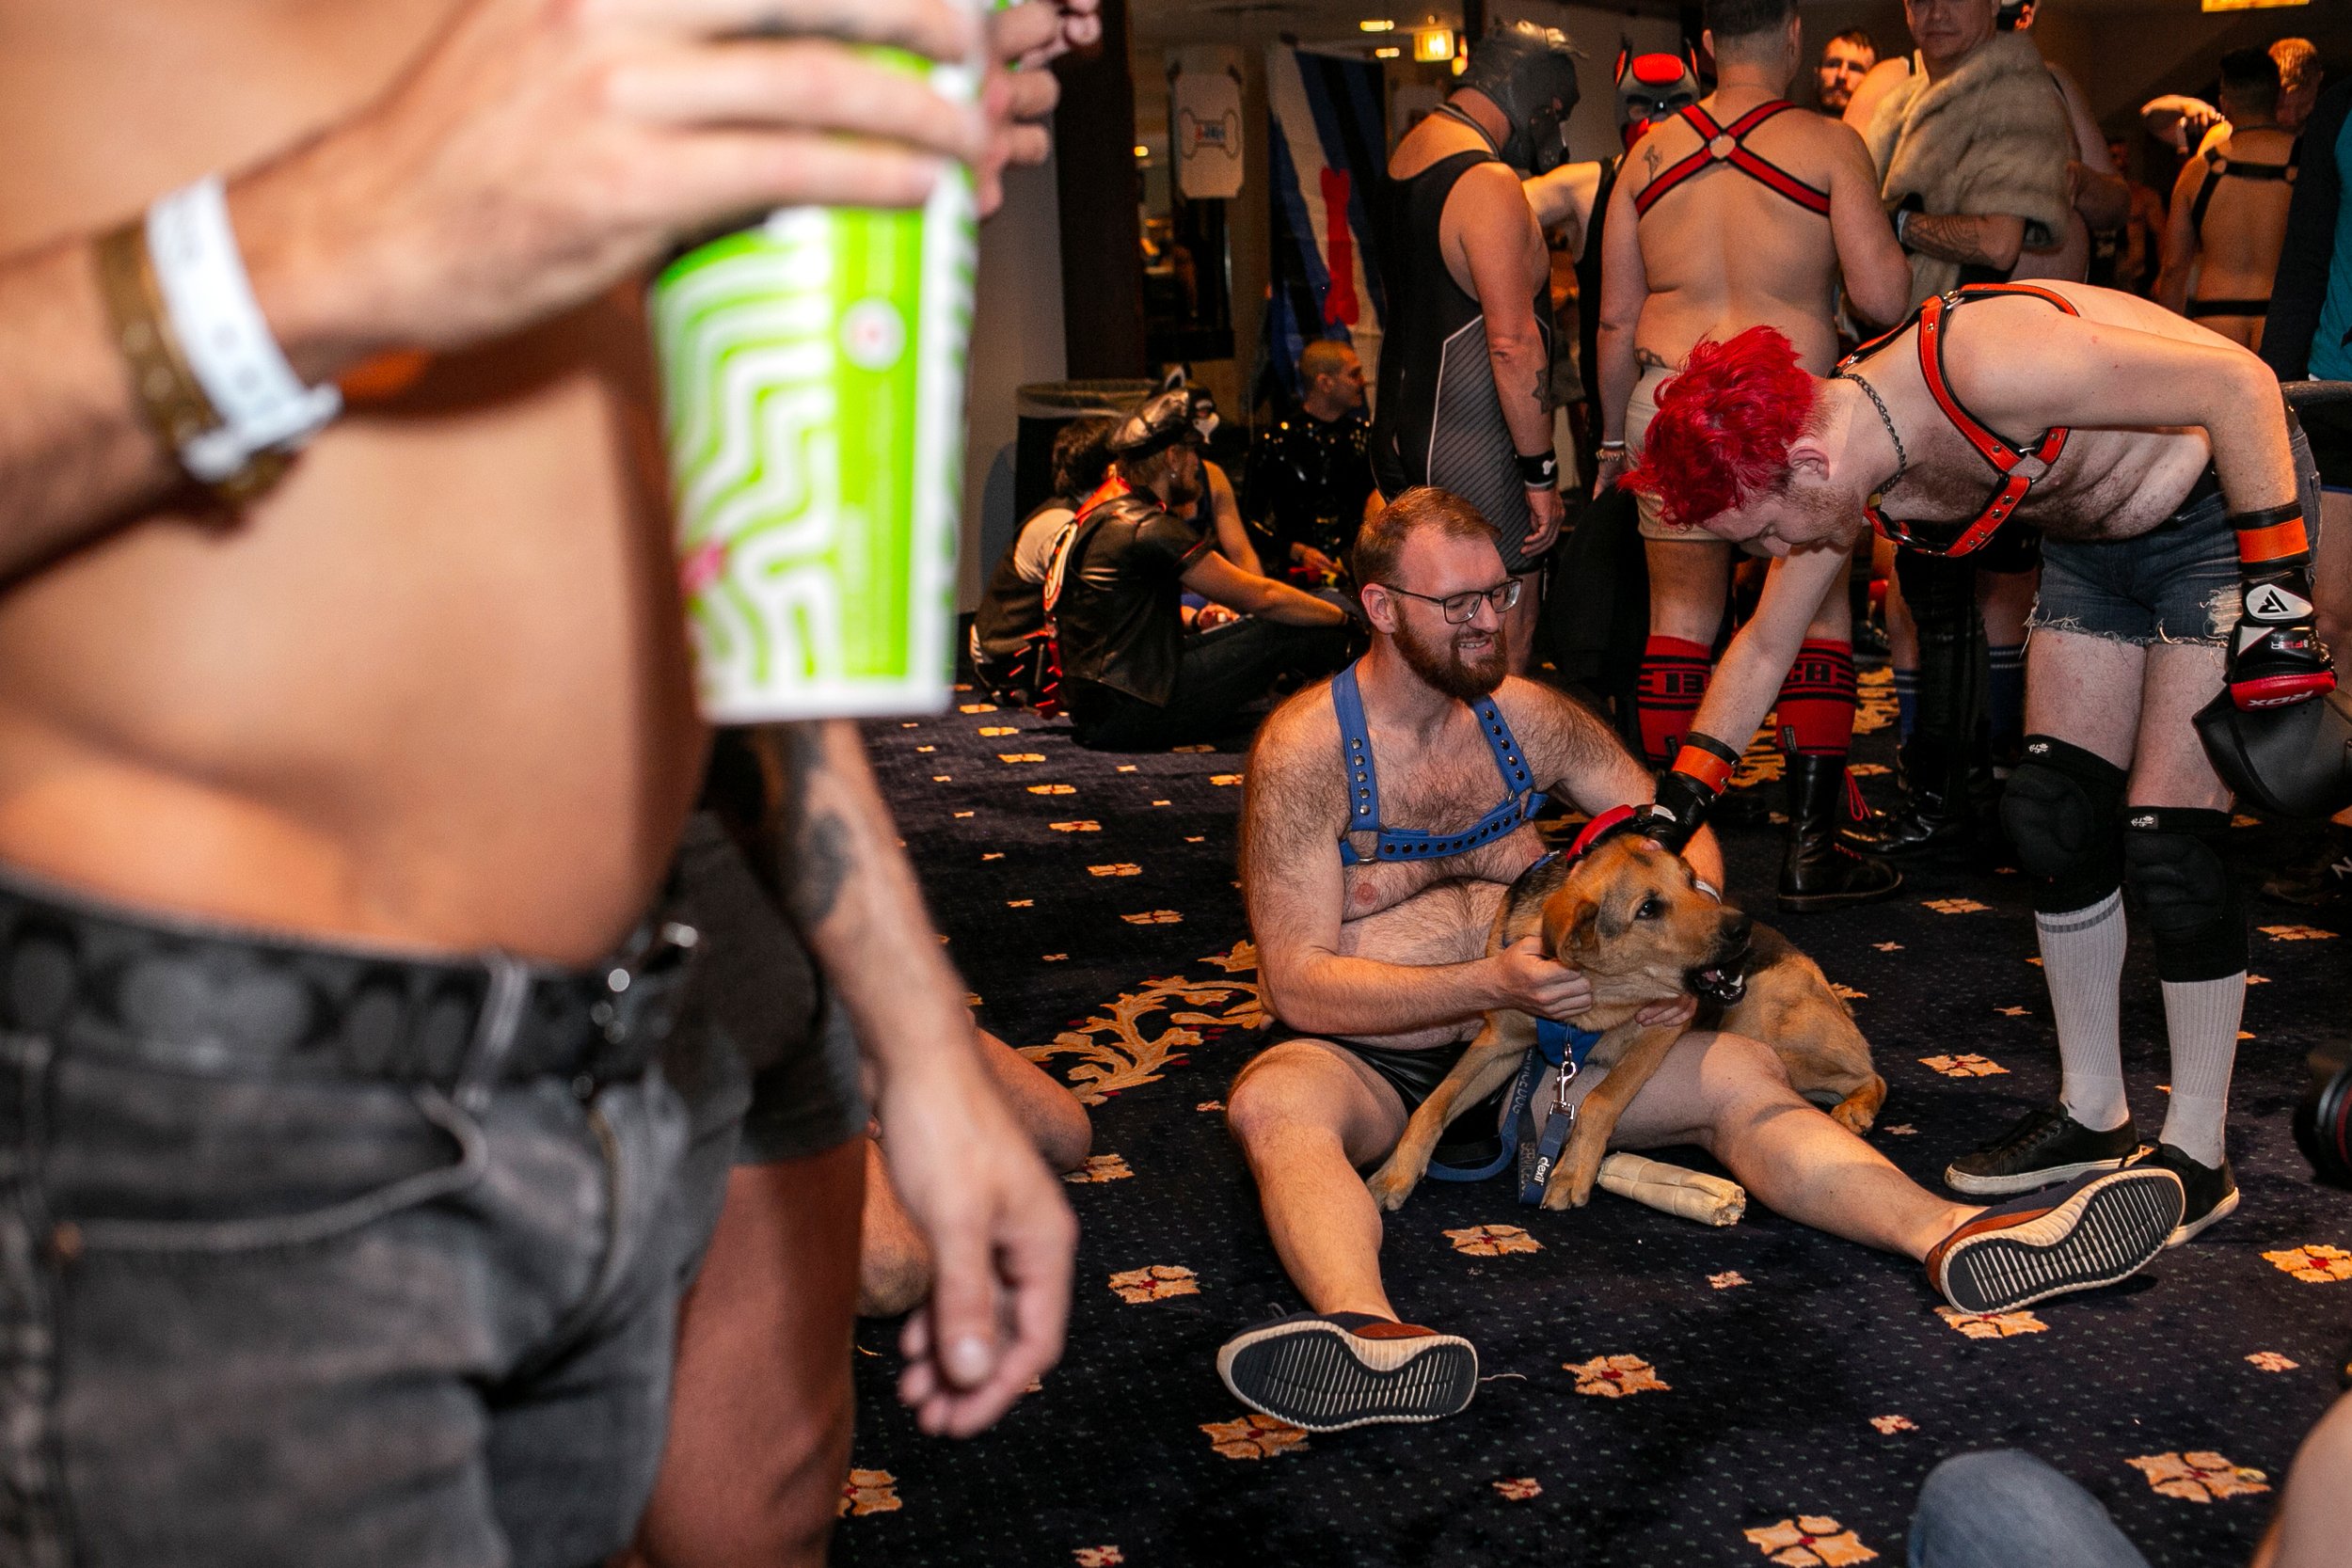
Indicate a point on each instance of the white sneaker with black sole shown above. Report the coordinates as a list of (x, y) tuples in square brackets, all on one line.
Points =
[(2076, 1236), (1331, 1370)]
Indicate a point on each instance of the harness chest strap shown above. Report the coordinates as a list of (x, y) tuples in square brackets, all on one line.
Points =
[(1520, 802), (2218, 168), (1726, 144), (2019, 469)]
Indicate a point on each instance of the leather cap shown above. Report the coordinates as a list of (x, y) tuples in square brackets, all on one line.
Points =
[(1164, 421)]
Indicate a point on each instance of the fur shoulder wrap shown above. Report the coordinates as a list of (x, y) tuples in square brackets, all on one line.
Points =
[(1991, 138)]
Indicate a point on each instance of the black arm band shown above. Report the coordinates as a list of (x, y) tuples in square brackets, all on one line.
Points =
[(1539, 472), (2270, 517), (1713, 748)]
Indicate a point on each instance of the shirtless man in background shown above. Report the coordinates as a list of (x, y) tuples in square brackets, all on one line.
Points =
[(322, 810), (1703, 245), (2229, 212), (2180, 121), (1372, 886)]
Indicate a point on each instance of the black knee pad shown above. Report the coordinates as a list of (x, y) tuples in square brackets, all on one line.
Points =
[(2060, 810), (2174, 857)]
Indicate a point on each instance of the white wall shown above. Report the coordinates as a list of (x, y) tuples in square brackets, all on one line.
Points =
[(1016, 337)]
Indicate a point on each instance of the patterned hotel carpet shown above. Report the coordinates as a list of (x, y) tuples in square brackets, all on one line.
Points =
[(1658, 1393)]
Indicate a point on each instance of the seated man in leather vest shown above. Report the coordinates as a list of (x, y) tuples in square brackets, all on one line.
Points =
[(1135, 673)]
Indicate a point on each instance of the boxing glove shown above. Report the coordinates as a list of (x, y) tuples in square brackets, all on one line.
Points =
[(1689, 789), (2275, 658)]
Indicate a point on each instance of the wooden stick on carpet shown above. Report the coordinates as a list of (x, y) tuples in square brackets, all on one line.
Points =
[(1709, 1199)]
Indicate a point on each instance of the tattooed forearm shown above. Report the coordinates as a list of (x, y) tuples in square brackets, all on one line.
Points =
[(815, 848)]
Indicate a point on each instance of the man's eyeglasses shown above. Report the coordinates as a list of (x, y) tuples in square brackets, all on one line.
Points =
[(1459, 609)]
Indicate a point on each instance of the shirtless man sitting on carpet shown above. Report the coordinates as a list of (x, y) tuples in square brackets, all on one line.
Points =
[(1371, 917)]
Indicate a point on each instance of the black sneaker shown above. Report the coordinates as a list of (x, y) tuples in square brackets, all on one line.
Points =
[(1329, 1372), (2048, 1145), (2089, 1232), (2323, 881), (2211, 1190)]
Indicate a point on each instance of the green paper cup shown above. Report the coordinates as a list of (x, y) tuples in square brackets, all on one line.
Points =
[(813, 373)]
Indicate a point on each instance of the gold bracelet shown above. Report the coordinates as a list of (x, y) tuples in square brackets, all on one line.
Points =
[(171, 398)]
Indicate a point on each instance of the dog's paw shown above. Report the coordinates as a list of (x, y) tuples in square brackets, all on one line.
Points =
[(1572, 1180), (1853, 1118), (1390, 1186)]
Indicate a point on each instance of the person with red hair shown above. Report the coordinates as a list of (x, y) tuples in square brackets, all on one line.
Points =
[(2171, 482)]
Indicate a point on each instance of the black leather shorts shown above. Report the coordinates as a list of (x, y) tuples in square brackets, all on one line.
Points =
[(1474, 1138)]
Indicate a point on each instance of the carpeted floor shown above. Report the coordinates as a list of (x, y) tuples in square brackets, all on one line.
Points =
[(1657, 1393)]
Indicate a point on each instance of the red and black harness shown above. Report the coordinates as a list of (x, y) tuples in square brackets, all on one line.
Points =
[(1726, 144), (2020, 468)]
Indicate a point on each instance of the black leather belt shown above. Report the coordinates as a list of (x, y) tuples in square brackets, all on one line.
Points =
[(184, 994)]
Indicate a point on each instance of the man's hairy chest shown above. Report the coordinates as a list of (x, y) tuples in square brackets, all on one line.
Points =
[(1440, 795)]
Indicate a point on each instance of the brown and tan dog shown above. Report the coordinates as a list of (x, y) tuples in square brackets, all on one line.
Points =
[(1630, 916)]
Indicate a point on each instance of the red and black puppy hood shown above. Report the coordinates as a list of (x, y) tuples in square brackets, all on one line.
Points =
[(1653, 86)]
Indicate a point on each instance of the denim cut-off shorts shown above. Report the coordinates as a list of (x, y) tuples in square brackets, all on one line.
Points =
[(2178, 582)]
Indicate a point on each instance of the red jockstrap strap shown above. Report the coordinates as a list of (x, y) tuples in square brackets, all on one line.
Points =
[(2019, 468), (1724, 144)]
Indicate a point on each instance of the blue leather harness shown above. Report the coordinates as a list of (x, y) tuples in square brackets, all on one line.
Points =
[(1521, 799)]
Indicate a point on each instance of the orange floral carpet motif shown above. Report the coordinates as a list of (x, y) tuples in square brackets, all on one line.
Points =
[(1617, 1376), (1810, 1540), (1492, 1241), (2199, 1477)]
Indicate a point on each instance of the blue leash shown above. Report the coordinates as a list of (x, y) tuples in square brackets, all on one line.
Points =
[(1561, 1045)]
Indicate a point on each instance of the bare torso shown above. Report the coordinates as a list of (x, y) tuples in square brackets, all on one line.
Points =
[(1428, 912), (2107, 484), (1723, 252), (434, 691), (2246, 224)]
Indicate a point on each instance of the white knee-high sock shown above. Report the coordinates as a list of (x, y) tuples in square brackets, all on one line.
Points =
[(2082, 957), (2201, 1018)]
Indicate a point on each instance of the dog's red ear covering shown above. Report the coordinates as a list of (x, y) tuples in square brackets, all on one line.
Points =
[(1569, 924)]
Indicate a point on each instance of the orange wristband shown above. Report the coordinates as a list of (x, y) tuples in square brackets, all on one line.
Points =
[(1707, 760)]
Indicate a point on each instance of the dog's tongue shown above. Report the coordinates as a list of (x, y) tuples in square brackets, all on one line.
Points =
[(1717, 983)]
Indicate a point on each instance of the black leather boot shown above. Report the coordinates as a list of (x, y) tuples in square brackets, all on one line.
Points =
[(1820, 870), (1936, 813)]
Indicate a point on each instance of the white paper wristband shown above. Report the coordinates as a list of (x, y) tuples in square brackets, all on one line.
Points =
[(228, 345)]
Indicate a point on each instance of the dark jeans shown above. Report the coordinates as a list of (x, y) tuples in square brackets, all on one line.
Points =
[(1222, 672), (306, 1256), (2004, 1509)]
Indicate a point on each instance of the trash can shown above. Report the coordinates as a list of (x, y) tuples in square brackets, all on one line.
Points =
[(1044, 408)]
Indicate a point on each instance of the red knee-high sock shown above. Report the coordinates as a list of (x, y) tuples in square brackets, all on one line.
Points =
[(1672, 685), (1817, 701)]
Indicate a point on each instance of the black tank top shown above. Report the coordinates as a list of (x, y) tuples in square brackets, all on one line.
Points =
[(1440, 421)]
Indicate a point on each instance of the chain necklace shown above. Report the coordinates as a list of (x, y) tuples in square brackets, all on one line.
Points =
[(1902, 459)]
